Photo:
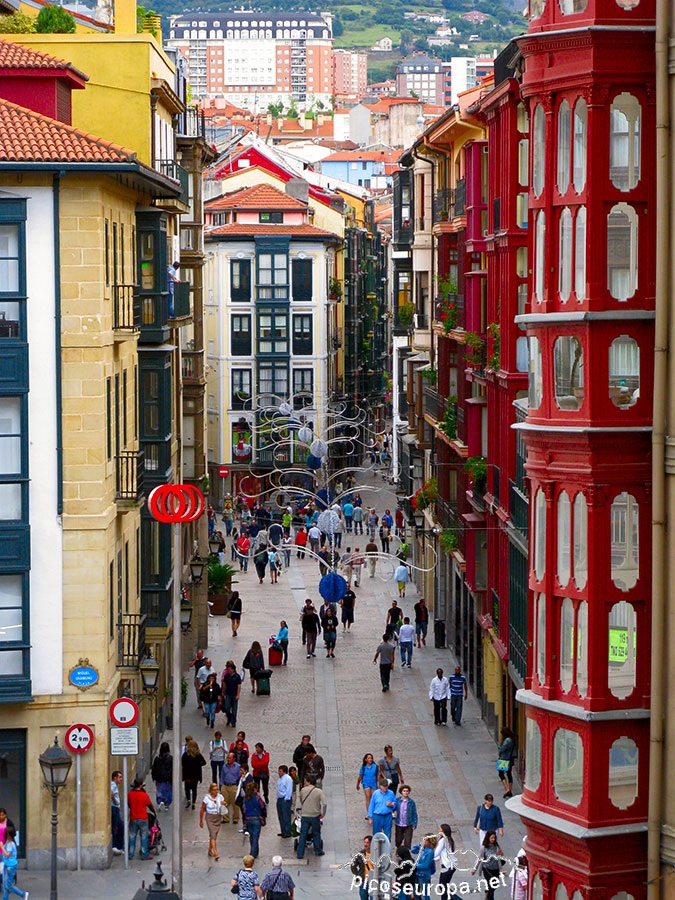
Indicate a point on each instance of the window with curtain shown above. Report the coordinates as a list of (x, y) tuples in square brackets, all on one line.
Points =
[(580, 253), (538, 149), (579, 145), (624, 142), (563, 147), (624, 372), (540, 256), (565, 255)]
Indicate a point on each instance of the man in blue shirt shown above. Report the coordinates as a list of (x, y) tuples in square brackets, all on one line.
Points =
[(458, 694), (172, 280), (381, 809), (284, 801), (348, 510), (488, 818)]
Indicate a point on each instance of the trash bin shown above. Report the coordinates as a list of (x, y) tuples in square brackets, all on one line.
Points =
[(439, 634), (262, 679)]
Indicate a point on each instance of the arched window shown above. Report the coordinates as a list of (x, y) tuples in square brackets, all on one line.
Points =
[(522, 119), (568, 372), (579, 157), (625, 541), (564, 147), (622, 245), (623, 772), (523, 161), (580, 253), (537, 888), (535, 380), (533, 754), (568, 766), (582, 648), (621, 671), (566, 644), (539, 535), (537, 7), (580, 541), (539, 256), (564, 538), (624, 142), (624, 372), (538, 150), (521, 262), (540, 638), (565, 255), (561, 890)]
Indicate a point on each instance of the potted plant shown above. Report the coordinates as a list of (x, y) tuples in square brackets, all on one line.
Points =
[(449, 424), (474, 348), (494, 359), (449, 540), (334, 289), (430, 375), (220, 587), (476, 468), (406, 311)]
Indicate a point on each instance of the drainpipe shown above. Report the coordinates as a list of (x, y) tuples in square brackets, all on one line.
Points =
[(665, 209), (56, 184)]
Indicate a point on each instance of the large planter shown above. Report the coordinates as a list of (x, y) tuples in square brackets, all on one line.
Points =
[(218, 603)]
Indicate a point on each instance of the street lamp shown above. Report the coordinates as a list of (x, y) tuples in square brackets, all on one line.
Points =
[(185, 615), (197, 569), (55, 764), (214, 546), (157, 891), (149, 670)]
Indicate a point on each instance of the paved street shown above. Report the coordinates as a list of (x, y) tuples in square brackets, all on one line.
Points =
[(340, 703)]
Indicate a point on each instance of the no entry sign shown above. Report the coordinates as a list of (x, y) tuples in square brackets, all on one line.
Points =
[(79, 738), (123, 712), (223, 471)]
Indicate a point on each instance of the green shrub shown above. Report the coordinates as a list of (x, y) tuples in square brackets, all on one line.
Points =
[(17, 23), (55, 20)]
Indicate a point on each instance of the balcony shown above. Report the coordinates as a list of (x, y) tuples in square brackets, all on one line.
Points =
[(442, 205), (129, 477), (155, 316), (460, 198), (446, 512), (171, 169), (191, 123), (126, 311), (157, 606), (181, 303), (519, 509), (191, 238), (434, 403), (130, 640), (193, 367)]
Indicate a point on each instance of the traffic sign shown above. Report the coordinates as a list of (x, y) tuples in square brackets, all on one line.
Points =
[(79, 738), (223, 471), (124, 712), (124, 741)]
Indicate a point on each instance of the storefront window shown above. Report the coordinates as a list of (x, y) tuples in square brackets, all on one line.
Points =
[(623, 772), (538, 149), (624, 372), (565, 254), (535, 381), (533, 754), (582, 648), (564, 538), (539, 256), (540, 535), (568, 766), (580, 541), (540, 638), (564, 147), (624, 142), (579, 146), (624, 541), (566, 644), (580, 253), (568, 372), (621, 671), (622, 245)]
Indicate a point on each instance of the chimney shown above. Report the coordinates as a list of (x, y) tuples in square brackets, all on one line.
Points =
[(319, 119), (125, 16), (298, 188), (280, 122)]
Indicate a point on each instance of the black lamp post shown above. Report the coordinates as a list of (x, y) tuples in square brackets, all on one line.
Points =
[(197, 569), (55, 764), (149, 670), (185, 615), (214, 546), (158, 890)]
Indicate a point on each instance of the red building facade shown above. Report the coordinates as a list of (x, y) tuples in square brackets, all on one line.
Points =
[(589, 87)]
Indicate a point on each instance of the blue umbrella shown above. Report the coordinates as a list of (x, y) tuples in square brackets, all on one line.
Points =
[(332, 587)]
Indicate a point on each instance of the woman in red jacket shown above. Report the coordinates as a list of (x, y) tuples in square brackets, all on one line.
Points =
[(260, 766)]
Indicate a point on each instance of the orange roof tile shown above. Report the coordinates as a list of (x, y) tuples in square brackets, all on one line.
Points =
[(16, 56), (239, 230), (259, 196), (27, 136)]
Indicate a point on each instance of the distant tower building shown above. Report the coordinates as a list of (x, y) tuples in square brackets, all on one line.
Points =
[(350, 73), (423, 76)]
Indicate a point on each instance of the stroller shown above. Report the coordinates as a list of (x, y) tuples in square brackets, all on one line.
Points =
[(295, 831), (155, 839)]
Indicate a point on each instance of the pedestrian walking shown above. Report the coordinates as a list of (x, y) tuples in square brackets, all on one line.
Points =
[(371, 557), (246, 881), (398, 519), (444, 854), (312, 810), (488, 818), (260, 559), (390, 768), (212, 809), (206, 670), (162, 775), (217, 750), (255, 816), (243, 551), (368, 778), (394, 617), (287, 546), (385, 534), (439, 691), (347, 571), (401, 578), (234, 539), (139, 803), (506, 756), (210, 697), (405, 817), (358, 561), (9, 857), (260, 769), (231, 684), (357, 519), (254, 661), (425, 866), (421, 621), (301, 542), (458, 694), (404, 873), (276, 533), (282, 640), (314, 535), (192, 763), (274, 562), (313, 768), (386, 653), (116, 824), (196, 664), (311, 627), (229, 783), (347, 605), (406, 640), (348, 512), (362, 865), (285, 788), (330, 625), (287, 521), (240, 751), (304, 747), (234, 610), (519, 878), (277, 884), (371, 522), (381, 809), (490, 862)]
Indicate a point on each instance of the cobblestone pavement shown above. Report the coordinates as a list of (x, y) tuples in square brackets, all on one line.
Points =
[(340, 703)]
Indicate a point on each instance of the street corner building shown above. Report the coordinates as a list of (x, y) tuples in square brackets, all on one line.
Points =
[(101, 399)]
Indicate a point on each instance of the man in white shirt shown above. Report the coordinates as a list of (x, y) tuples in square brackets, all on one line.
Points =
[(284, 801), (406, 637), (439, 691), (315, 538), (206, 670)]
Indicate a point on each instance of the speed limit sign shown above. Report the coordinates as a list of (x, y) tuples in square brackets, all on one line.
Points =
[(79, 738)]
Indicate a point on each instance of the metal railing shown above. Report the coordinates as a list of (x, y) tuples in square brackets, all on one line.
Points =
[(131, 640), (181, 300), (460, 198), (176, 172), (192, 364), (191, 123), (126, 307), (478, 493), (519, 509), (434, 403), (129, 474), (442, 205), (496, 483), (446, 510)]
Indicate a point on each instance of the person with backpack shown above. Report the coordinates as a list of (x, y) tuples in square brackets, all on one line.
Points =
[(277, 884), (260, 561), (254, 661), (506, 756), (275, 563), (162, 775), (217, 749)]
